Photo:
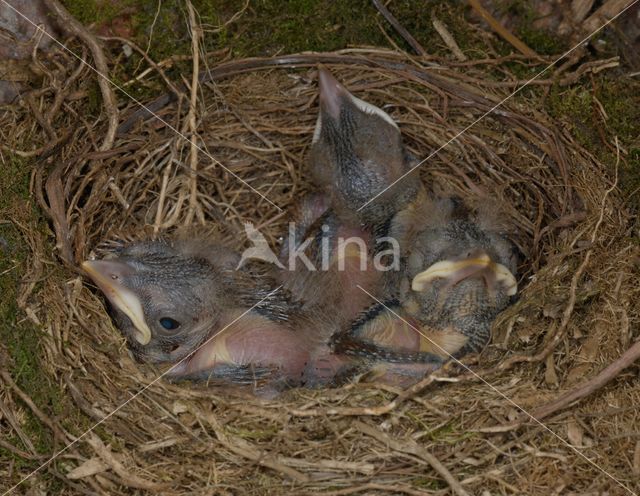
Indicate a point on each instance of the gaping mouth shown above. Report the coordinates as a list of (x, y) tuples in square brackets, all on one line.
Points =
[(494, 274), (105, 274)]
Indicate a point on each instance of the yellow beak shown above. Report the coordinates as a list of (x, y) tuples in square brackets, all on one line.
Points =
[(102, 273), (456, 269)]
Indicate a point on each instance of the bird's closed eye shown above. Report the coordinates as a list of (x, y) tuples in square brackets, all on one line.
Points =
[(169, 324)]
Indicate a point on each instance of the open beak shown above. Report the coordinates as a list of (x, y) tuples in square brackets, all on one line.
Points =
[(107, 275), (457, 270)]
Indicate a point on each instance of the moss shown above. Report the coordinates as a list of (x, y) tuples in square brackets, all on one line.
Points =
[(271, 26), (539, 40), (430, 484), (20, 336), (300, 25), (257, 435), (578, 107), (573, 107), (449, 433), (97, 11)]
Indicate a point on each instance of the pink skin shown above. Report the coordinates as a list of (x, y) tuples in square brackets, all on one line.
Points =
[(355, 300), (252, 340), (324, 367)]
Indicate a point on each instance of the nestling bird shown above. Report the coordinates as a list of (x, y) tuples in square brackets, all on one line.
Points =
[(356, 154), (182, 302), (460, 274), (456, 271)]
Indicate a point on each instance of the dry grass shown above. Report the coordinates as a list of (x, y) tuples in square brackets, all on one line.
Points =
[(578, 309)]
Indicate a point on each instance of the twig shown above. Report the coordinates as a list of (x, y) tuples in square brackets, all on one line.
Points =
[(376, 410), (501, 30), (413, 43), (191, 118), (448, 39), (568, 311), (607, 11), (331, 465), (58, 433), (15, 425), (586, 388), (231, 20), (245, 450), (69, 24), (55, 195), (17, 451), (149, 60), (412, 448), (611, 371), (126, 477), (393, 488), (235, 67), (408, 71)]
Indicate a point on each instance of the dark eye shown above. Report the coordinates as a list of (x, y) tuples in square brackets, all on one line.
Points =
[(169, 324)]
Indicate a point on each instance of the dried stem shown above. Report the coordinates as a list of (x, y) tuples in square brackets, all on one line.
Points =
[(67, 22), (501, 30), (413, 43), (191, 117)]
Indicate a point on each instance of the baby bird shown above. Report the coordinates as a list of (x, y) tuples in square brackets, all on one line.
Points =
[(356, 154), (459, 275), (183, 303)]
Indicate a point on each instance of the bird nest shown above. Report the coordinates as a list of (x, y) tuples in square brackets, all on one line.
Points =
[(231, 148)]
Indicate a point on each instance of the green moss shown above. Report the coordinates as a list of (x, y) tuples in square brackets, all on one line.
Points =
[(449, 433), (573, 107), (580, 108), (96, 11), (258, 435), (539, 40), (299, 25), (19, 335), (272, 26), (429, 484)]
